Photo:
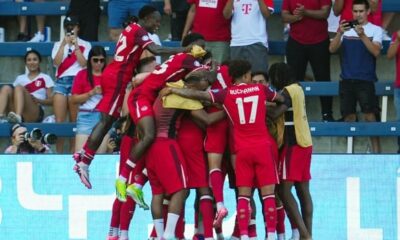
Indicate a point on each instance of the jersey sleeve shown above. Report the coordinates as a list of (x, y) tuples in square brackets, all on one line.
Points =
[(18, 81), (270, 4), (326, 3), (218, 95), (55, 50), (190, 63), (378, 35), (142, 38), (48, 81), (269, 93), (77, 85)]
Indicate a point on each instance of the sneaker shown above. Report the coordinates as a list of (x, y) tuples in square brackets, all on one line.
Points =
[(83, 172), (198, 236), (328, 118), (14, 118), (22, 37), (219, 216), (120, 190), (112, 238), (137, 196), (39, 37)]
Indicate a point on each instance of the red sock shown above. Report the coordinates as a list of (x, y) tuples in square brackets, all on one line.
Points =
[(270, 213), (243, 211), (115, 213), (196, 219), (127, 168), (280, 225), (153, 233), (207, 212), (127, 210), (217, 184), (88, 154), (180, 226)]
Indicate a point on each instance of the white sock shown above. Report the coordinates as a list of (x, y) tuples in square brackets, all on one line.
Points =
[(138, 185), (122, 178), (220, 205), (124, 235), (295, 234), (172, 219), (281, 236), (159, 226), (271, 236), (113, 231), (244, 237)]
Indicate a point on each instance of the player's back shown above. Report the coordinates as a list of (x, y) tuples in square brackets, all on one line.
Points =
[(246, 107), (128, 50), (172, 70), (167, 120)]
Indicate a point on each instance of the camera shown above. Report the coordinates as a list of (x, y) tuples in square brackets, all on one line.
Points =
[(70, 30), (117, 138), (353, 24), (37, 134)]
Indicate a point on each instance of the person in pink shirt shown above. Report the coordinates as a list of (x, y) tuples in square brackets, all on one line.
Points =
[(394, 52), (309, 42), (86, 92)]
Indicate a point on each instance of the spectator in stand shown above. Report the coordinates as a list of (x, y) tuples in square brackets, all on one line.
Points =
[(31, 92), (309, 42), (23, 31), (206, 18), (69, 57), (86, 92), (21, 145), (88, 13), (361, 44), (118, 12), (177, 10), (249, 31), (394, 51)]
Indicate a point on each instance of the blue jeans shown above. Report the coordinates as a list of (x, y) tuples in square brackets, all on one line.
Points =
[(64, 85), (86, 122), (119, 10)]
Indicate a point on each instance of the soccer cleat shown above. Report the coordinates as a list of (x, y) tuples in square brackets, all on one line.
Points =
[(137, 195), (120, 190), (83, 172), (112, 238), (219, 216)]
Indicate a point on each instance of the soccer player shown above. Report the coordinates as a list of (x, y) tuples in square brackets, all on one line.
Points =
[(141, 101), (244, 103), (295, 154), (165, 163), (133, 40)]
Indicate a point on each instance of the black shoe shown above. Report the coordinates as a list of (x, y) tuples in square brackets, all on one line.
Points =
[(328, 118), (22, 37)]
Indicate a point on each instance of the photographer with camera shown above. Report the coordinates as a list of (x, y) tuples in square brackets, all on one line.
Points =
[(361, 43), (69, 57), (29, 142)]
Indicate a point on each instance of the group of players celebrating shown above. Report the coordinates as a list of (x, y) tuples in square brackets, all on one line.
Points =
[(185, 117)]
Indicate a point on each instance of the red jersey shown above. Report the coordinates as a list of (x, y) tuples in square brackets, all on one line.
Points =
[(132, 41), (223, 81), (209, 20), (245, 106), (167, 120), (172, 70), (308, 30)]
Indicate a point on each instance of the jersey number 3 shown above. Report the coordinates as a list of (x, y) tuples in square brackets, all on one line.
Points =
[(253, 112)]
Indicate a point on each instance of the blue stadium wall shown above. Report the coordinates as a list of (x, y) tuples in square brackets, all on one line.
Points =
[(356, 197)]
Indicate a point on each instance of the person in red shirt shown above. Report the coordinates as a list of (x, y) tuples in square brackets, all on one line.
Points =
[(394, 52), (309, 42), (86, 92), (141, 100), (133, 40), (244, 103), (206, 18)]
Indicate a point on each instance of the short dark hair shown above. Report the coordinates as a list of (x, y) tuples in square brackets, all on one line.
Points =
[(34, 52), (238, 68), (143, 62), (264, 73), (191, 38), (362, 2), (281, 75), (146, 10), (198, 76)]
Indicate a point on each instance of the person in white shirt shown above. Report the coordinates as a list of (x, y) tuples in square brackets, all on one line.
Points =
[(69, 57), (24, 100)]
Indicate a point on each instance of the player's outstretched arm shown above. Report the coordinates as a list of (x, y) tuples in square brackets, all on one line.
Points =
[(188, 93), (160, 50), (208, 118)]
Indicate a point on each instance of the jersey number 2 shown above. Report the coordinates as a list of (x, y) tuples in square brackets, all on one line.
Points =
[(253, 112)]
